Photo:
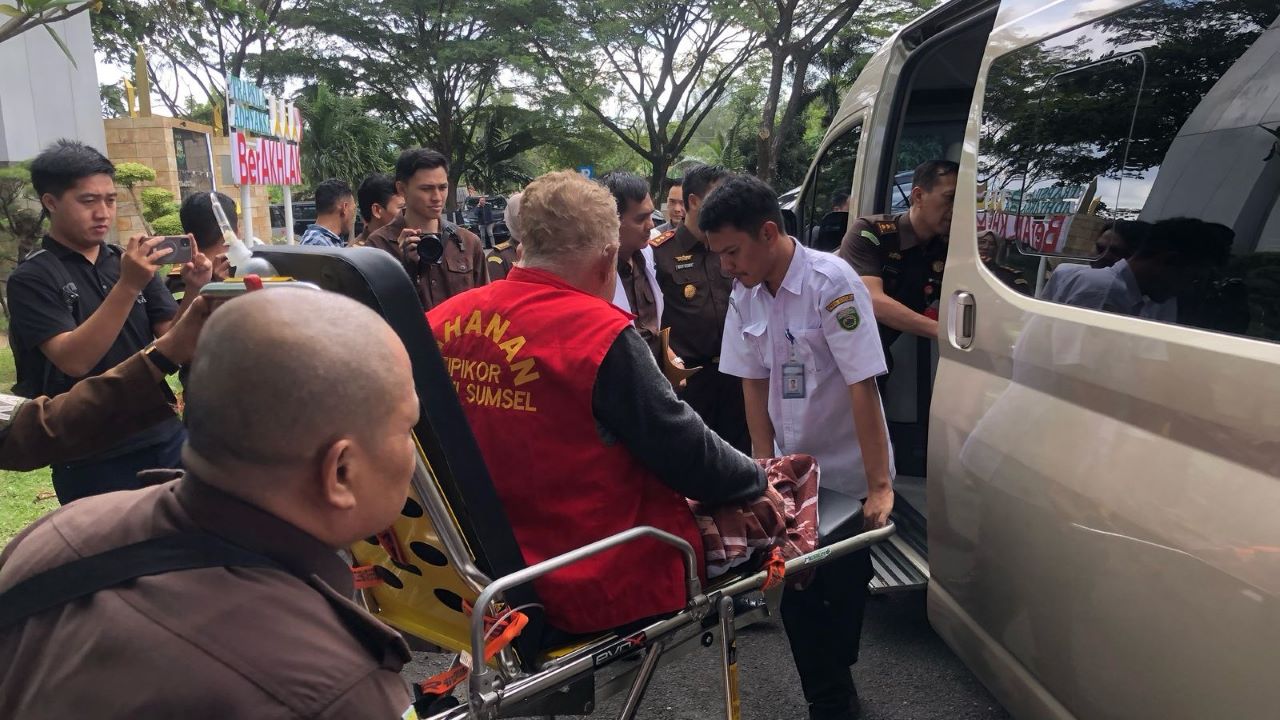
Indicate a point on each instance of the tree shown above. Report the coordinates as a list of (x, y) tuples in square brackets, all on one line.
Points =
[(192, 43), (342, 139), (664, 64), (27, 15), (796, 33), (113, 101), (129, 174), (431, 67)]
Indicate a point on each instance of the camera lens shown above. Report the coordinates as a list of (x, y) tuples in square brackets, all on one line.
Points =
[(430, 250)]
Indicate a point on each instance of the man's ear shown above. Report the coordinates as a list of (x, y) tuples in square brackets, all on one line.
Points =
[(47, 201), (917, 194), (337, 472)]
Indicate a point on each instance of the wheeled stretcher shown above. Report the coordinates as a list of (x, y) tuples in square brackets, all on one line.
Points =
[(452, 551)]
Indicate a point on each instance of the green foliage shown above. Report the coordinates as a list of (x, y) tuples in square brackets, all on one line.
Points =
[(129, 174), (20, 223), (156, 202), (169, 224), (113, 101), (342, 140)]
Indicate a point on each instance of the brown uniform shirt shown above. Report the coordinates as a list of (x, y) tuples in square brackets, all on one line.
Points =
[(460, 269), (635, 283), (501, 259), (206, 643), (96, 413), (695, 295), (695, 300)]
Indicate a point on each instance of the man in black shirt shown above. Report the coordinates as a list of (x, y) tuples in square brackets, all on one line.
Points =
[(80, 307)]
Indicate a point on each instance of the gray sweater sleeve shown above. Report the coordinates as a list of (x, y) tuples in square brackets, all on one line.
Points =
[(634, 404)]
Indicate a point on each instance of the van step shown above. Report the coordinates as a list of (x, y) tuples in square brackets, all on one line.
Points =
[(901, 563)]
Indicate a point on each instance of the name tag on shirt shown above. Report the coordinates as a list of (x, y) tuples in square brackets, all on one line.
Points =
[(792, 380)]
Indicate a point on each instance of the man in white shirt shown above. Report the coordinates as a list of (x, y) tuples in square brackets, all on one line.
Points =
[(801, 335), (1166, 263)]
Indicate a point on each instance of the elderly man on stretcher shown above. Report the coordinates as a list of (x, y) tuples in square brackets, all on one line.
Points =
[(584, 437)]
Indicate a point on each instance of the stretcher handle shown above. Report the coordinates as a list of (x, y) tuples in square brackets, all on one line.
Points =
[(481, 675)]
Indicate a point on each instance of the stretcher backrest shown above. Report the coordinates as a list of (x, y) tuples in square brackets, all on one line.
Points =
[(452, 496)]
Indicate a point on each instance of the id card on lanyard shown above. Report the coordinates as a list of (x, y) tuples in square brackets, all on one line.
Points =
[(792, 373)]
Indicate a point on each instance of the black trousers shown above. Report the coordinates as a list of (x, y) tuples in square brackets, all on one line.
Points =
[(717, 398), (824, 627), (74, 481)]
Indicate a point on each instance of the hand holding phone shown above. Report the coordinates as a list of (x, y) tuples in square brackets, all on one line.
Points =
[(181, 246)]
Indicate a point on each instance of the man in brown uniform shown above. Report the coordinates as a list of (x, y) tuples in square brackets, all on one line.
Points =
[(695, 295), (901, 258), (309, 451), (99, 411), (416, 236), (503, 256), (637, 286)]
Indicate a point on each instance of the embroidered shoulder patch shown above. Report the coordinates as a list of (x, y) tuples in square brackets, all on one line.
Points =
[(875, 239), (495, 258), (848, 318), (657, 242), (839, 301)]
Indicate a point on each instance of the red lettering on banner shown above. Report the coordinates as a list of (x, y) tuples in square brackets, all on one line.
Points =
[(264, 161)]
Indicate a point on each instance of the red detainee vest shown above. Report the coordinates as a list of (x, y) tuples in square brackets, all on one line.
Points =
[(524, 353)]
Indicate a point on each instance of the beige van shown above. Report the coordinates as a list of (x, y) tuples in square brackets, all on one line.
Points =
[(1094, 452)]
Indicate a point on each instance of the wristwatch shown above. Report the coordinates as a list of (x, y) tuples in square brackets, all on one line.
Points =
[(157, 358)]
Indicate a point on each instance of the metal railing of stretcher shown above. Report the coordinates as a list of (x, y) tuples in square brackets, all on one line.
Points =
[(490, 695), (452, 549)]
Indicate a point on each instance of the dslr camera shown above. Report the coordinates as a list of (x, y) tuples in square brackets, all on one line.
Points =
[(430, 250)]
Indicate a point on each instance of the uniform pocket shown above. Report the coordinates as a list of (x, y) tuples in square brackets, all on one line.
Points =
[(811, 349)]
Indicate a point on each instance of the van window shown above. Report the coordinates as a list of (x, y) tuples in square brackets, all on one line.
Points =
[(832, 175), (1133, 166)]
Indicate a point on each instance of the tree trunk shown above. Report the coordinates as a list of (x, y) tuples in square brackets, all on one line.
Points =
[(661, 166), (789, 114), (766, 157)]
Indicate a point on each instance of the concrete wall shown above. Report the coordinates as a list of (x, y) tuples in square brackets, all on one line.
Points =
[(44, 97), (150, 141)]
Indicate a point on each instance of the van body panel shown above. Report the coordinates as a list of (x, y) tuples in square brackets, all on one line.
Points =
[(1103, 490)]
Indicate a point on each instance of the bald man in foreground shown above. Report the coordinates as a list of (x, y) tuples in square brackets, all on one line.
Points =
[(296, 447)]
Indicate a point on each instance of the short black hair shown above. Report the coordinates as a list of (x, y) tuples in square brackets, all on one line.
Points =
[(1132, 232), (58, 167), (415, 159), (198, 219), (626, 188), (377, 189), (928, 173), (329, 193), (839, 198), (743, 202), (702, 177), (675, 182), (1195, 242)]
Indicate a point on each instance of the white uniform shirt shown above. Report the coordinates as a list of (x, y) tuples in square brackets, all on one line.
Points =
[(827, 310), (651, 274)]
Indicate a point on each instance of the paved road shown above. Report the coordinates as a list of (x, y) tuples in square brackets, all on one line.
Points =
[(906, 673)]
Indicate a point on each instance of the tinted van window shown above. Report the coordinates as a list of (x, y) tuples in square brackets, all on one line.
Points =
[(1133, 165)]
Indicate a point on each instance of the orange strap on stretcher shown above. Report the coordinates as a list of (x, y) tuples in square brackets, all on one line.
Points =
[(510, 626), (775, 568)]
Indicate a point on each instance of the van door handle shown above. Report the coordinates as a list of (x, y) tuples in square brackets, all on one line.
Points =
[(962, 319)]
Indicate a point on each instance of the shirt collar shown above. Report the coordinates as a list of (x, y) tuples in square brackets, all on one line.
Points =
[(793, 281), (63, 252), (316, 227), (255, 529)]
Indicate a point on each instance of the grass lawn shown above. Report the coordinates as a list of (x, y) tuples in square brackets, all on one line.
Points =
[(24, 496)]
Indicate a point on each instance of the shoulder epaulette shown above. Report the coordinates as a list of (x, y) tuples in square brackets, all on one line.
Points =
[(884, 227), (502, 245), (657, 242)]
